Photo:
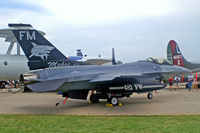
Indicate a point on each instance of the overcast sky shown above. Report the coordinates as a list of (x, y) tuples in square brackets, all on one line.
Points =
[(137, 29)]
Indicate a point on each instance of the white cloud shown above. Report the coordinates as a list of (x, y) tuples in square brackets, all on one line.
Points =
[(135, 28), (104, 11)]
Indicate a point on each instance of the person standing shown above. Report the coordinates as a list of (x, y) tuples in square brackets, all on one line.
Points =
[(177, 80), (190, 80), (171, 81)]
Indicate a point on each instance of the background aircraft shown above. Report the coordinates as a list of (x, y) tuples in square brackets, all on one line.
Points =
[(12, 65), (78, 57), (175, 56), (103, 61), (95, 60), (109, 82)]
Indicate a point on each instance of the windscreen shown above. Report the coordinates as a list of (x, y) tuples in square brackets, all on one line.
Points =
[(160, 61)]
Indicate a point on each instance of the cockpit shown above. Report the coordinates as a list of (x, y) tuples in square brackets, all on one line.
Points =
[(160, 61)]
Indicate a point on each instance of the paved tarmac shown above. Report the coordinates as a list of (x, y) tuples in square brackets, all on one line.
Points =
[(181, 102)]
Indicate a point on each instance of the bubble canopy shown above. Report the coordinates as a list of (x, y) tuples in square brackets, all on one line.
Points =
[(158, 60)]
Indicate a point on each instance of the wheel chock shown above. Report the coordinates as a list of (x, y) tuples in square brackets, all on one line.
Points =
[(119, 104), (109, 105)]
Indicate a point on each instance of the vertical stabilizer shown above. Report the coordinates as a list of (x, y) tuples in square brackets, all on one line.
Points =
[(113, 57), (79, 52), (39, 51), (174, 54), (35, 46)]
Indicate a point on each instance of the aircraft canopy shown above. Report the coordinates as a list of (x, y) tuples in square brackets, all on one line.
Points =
[(158, 60)]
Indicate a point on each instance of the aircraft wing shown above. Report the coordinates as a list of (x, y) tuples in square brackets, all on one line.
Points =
[(103, 77)]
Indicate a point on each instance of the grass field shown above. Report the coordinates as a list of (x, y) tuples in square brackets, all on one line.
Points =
[(99, 124)]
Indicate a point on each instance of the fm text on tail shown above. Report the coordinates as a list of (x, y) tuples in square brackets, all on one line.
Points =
[(39, 51)]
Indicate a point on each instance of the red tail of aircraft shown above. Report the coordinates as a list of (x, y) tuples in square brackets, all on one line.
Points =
[(174, 54)]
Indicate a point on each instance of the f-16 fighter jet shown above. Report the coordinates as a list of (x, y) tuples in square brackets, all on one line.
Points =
[(108, 82)]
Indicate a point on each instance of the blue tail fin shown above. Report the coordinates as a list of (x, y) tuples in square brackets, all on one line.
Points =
[(39, 51), (79, 52)]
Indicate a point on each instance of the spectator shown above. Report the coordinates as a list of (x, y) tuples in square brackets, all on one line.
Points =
[(177, 80), (190, 80), (171, 81)]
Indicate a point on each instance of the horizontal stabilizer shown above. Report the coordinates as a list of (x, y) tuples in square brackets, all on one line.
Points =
[(46, 86)]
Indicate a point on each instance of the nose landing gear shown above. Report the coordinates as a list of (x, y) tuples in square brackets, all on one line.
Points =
[(150, 95)]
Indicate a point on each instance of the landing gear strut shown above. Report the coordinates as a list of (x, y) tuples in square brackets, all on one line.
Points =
[(150, 95), (94, 98), (58, 103)]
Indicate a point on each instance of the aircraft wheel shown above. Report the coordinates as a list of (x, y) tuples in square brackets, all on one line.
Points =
[(150, 95), (94, 98), (57, 104), (114, 101)]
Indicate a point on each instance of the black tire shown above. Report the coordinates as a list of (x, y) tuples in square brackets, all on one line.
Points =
[(186, 85), (94, 98), (57, 104), (150, 95), (114, 101)]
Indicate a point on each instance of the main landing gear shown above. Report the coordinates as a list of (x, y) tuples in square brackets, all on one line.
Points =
[(94, 98), (113, 100)]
